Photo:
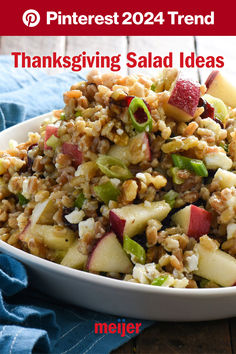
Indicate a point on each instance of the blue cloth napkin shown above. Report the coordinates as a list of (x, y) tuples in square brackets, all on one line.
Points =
[(30, 321)]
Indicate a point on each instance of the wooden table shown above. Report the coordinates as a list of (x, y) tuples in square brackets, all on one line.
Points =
[(163, 337)]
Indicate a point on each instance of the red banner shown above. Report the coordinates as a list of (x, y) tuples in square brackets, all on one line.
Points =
[(118, 18)]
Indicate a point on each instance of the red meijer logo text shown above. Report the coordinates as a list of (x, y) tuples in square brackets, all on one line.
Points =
[(120, 327)]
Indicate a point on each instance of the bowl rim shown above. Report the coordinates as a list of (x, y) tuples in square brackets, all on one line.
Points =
[(110, 282), (98, 279)]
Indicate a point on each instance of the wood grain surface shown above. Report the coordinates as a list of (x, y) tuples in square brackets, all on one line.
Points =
[(163, 337)]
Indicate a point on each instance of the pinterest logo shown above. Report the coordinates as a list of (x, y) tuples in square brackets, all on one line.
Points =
[(31, 18)]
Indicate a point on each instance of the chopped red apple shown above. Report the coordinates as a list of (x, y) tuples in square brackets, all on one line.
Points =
[(136, 151), (216, 265), (220, 87), (25, 234), (132, 219), (43, 213), (54, 237), (109, 256), (220, 110), (73, 151), (50, 130), (183, 101), (74, 258), (194, 221)]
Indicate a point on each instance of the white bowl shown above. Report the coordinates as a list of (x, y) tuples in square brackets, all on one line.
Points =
[(114, 296)]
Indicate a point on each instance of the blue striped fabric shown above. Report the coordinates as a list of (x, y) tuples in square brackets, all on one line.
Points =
[(30, 321)]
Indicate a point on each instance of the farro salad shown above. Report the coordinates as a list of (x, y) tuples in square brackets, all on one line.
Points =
[(134, 179)]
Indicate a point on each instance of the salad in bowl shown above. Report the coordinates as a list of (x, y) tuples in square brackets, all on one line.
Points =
[(135, 179)]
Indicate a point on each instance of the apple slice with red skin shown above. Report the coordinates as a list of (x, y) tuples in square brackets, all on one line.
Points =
[(50, 130), (216, 265), (25, 234), (194, 221), (109, 256), (218, 86), (132, 219), (136, 151), (183, 101), (73, 151)]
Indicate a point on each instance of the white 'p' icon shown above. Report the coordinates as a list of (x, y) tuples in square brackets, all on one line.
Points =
[(31, 18)]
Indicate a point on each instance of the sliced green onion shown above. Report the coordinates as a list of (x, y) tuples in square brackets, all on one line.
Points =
[(78, 113), (22, 199), (134, 249), (53, 142), (224, 146), (170, 197), (107, 192), (79, 201), (196, 166), (113, 167), (153, 87), (63, 116), (160, 280), (173, 172), (136, 104)]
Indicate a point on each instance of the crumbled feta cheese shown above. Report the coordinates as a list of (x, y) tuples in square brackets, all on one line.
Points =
[(231, 230), (141, 176), (75, 216), (86, 226), (25, 188), (180, 283), (120, 131), (139, 273), (218, 159), (151, 271), (115, 181), (145, 274), (192, 263), (177, 274)]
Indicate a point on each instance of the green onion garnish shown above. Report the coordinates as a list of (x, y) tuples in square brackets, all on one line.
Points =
[(78, 113), (63, 116), (173, 172), (196, 166), (22, 199), (153, 87), (224, 146), (113, 167), (79, 201), (170, 197), (140, 115), (160, 280), (107, 192), (53, 142), (134, 249)]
